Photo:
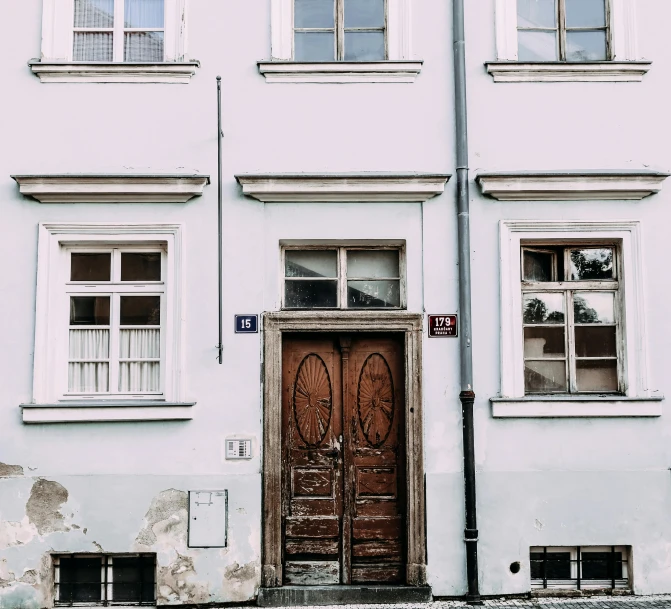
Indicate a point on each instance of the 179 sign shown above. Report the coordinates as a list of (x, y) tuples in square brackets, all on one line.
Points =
[(442, 325)]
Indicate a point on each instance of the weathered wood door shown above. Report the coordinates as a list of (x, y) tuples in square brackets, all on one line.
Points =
[(343, 481)]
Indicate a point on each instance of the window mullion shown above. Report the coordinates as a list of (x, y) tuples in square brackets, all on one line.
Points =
[(118, 40), (570, 341), (342, 278), (114, 344), (561, 28), (340, 29)]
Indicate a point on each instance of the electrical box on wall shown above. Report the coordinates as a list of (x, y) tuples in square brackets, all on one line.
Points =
[(238, 448), (208, 519)]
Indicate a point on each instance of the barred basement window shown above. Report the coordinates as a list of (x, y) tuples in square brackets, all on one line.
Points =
[(95, 579), (580, 568), (343, 278), (571, 305)]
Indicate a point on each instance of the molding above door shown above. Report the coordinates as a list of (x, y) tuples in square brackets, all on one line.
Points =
[(275, 324)]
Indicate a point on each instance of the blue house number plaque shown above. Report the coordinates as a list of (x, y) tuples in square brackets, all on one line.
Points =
[(246, 324)]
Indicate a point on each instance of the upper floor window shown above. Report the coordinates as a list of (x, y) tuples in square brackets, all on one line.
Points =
[(563, 30), (340, 30), (343, 278), (119, 30)]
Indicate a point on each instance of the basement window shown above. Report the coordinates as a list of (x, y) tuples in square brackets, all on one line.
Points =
[(579, 568), (95, 579)]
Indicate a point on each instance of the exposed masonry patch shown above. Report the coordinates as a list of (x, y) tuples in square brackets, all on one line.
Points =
[(174, 584), (241, 582), (43, 506), (7, 470), (241, 574), (162, 507)]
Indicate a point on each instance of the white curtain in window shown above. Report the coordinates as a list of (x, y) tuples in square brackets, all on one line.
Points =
[(88, 376), (93, 46), (143, 46), (94, 13), (140, 376)]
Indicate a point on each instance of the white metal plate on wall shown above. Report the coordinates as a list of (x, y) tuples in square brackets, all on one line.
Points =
[(238, 448), (208, 519)]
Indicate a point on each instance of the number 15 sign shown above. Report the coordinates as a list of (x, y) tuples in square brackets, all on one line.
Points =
[(442, 325)]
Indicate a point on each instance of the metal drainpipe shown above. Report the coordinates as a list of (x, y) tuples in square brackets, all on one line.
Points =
[(467, 395)]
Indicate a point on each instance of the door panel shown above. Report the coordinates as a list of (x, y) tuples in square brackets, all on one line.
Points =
[(343, 467)]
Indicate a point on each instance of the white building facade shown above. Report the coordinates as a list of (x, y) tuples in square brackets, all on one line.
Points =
[(142, 464)]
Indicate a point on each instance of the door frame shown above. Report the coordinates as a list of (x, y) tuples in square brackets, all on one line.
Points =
[(370, 322)]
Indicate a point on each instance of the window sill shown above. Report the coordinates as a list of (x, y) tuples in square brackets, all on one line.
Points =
[(97, 411), (553, 71), (401, 71), (576, 406), (104, 72)]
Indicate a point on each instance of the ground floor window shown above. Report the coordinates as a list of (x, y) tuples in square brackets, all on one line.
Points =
[(101, 579), (579, 568)]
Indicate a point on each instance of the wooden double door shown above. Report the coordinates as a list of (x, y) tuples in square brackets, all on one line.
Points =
[(343, 459)]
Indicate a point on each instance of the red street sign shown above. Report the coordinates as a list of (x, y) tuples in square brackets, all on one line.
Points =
[(442, 325)]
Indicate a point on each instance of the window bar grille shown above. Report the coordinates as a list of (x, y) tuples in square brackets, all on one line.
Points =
[(545, 567), (612, 567)]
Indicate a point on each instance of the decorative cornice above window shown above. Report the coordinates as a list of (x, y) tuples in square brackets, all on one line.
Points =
[(584, 71), (101, 72), (403, 71), (112, 188), (570, 185), (106, 410), (354, 187)]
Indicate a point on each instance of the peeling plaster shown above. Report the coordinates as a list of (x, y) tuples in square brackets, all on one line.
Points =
[(43, 506), (7, 470), (241, 582), (173, 582)]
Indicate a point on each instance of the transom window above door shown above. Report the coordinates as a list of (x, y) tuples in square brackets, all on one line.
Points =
[(340, 30), (119, 30), (571, 318), (343, 278), (563, 30)]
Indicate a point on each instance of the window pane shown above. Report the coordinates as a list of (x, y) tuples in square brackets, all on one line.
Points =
[(140, 343), (141, 267), (314, 13), (372, 263), (80, 579), (536, 13), (601, 565), (364, 46), (537, 46), (593, 341), (311, 263), (557, 565), (143, 13), (133, 579), (92, 46), (310, 294), (89, 344), (143, 46), (544, 342), (544, 377), (89, 310), (539, 308), (586, 46), (139, 377), (593, 307), (140, 310), (592, 263), (585, 13), (90, 267), (314, 46), (94, 13), (88, 377), (364, 13), (538, 266), (596, 375), (373, 294)]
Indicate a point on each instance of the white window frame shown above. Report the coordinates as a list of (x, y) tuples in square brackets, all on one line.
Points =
[(635, 379), (52, 305), (398, 67), (58, 28), (623, 31), (341, 270)]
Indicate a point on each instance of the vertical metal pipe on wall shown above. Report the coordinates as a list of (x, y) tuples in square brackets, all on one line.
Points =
[(467, 395), (220, 345)]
